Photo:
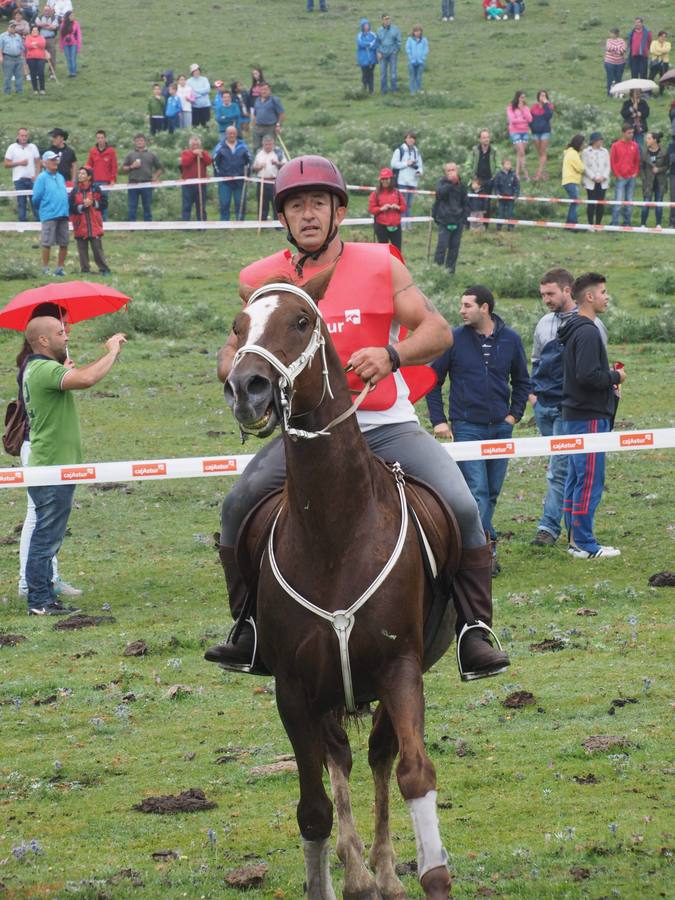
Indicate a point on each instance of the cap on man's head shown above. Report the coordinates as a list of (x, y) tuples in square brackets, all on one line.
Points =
[(58, 132), (194, 67), (49, 154), (595, 136)]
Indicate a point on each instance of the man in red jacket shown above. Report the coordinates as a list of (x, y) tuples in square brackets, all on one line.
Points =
[(193, 164), (624, 157), (311, 201), (102, 161)]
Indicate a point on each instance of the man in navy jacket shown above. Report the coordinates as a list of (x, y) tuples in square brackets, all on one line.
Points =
[(489, 387)]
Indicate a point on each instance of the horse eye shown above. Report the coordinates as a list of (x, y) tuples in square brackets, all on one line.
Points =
[(303, 322)]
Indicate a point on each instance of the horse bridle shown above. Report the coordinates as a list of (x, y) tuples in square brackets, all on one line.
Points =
[(289, 374)]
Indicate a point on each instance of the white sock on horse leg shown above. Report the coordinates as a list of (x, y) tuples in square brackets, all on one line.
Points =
[(317, 869), (430, 850)]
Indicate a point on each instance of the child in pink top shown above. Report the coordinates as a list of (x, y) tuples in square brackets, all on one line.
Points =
[(519, 116)]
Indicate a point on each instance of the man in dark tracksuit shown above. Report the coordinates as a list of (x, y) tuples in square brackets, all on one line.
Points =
[(449, 212), (489, 386), (588, 406)]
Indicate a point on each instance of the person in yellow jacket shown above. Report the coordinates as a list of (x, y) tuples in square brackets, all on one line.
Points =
[(572, 173), (659, 58)]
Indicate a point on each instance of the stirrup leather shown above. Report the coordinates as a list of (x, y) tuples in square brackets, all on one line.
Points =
[(472, 676)]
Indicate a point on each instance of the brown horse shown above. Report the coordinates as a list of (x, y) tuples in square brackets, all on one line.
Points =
[(342, 534)]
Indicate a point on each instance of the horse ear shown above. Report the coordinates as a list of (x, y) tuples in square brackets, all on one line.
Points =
[(245, 290), (317, 286)]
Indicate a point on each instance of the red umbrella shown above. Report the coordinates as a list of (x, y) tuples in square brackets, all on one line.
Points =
[(81, 300)]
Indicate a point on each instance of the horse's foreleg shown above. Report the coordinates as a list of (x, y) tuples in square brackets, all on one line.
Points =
[(382, 750), (315, 811), (359, 884), (403, 697)]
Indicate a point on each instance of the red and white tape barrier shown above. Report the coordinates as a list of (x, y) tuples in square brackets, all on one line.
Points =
[(217, 225), (206, 466)]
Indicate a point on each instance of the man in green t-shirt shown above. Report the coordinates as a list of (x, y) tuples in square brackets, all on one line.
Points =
[(55, 440)]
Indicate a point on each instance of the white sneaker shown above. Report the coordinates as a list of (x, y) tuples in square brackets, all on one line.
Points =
[(602, 552), (63, 589), (516, 17)]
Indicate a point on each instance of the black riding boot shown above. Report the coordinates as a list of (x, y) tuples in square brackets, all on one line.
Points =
[(238, 651), (472, 587)]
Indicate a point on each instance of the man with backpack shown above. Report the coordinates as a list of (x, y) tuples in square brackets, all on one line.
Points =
[(406, 163)]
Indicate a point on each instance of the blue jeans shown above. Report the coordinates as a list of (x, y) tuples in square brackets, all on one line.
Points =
[(614, 72), (52, 508), (623, 190), (230, 191), (415, 72), (24, 184), (584, 485), (70, 52), (506, 210), (448, 9), (549, 423), (310, 5), (572, 191), (194, 195), (12, 66), (388, 73), (484, 477), (657, 192), (514, 9), (145, 196)]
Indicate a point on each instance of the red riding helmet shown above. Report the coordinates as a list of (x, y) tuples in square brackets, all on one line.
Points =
[(306, 173)]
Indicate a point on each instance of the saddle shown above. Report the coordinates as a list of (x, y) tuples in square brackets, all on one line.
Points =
[(440, 543)]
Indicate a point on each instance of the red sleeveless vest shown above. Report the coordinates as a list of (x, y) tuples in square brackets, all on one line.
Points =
[(358, 309)]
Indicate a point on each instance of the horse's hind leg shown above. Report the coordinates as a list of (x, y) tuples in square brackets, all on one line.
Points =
[(382, 751), (401, 692), (315, 811), (359, 883)]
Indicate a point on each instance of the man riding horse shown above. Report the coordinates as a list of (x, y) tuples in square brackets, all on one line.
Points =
[(377, 302)]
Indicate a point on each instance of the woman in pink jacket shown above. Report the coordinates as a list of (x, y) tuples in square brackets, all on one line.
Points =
[(519, 117), (36, 57), (70, 41)]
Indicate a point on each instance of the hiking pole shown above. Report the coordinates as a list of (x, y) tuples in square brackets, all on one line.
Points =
[(52, 69), (242, 198), (261, 186), (284, 147)]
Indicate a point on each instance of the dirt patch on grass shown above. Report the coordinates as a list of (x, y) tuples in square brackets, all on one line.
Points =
[(192, 800), (518, 699), (126, 875), (163, 855), (11, 640), (136, 648), (247, 876), (604, 742), (662, 579), (73, 623), (585, 779), (585, 611), (45, 701), (580, 873), (548, 645)]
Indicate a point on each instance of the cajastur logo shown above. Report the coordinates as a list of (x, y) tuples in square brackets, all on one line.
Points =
[(219, 465), (11, 476), (639, 439), (498, 448), (353, 316), (78, 473), (145, 470), (576, 443)]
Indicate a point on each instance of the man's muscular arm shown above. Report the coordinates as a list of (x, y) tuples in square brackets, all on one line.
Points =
[(431, 334)]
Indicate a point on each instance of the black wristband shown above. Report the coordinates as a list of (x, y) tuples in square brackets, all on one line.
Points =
[(394, 357)]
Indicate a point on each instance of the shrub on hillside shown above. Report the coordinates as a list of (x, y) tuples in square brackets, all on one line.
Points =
[(664, 280)]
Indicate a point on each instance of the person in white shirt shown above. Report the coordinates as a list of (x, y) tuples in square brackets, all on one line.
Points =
[(268, 160), (23, 158), (596, 176), (61, 7), (407, 165)]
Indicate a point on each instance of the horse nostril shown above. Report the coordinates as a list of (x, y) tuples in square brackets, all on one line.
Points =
[(258, 385)]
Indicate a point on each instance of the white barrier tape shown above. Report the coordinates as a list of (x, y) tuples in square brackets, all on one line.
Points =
[(216, 225), (581, 201), (203, 467)]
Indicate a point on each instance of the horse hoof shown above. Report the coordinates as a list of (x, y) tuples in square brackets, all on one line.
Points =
[(368, 894), (436, 884)]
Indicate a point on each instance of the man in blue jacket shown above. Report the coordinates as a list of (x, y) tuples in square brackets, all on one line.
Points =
[(231, 159), (50, 199), (388, 48), (489, 386)]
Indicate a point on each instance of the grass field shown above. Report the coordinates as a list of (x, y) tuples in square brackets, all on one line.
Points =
[(87, 732)]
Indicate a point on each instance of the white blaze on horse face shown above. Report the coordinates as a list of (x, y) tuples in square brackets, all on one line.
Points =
[(259, 313)]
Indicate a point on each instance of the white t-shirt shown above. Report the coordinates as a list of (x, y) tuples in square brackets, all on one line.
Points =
[(15, 152), (267, 161)]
